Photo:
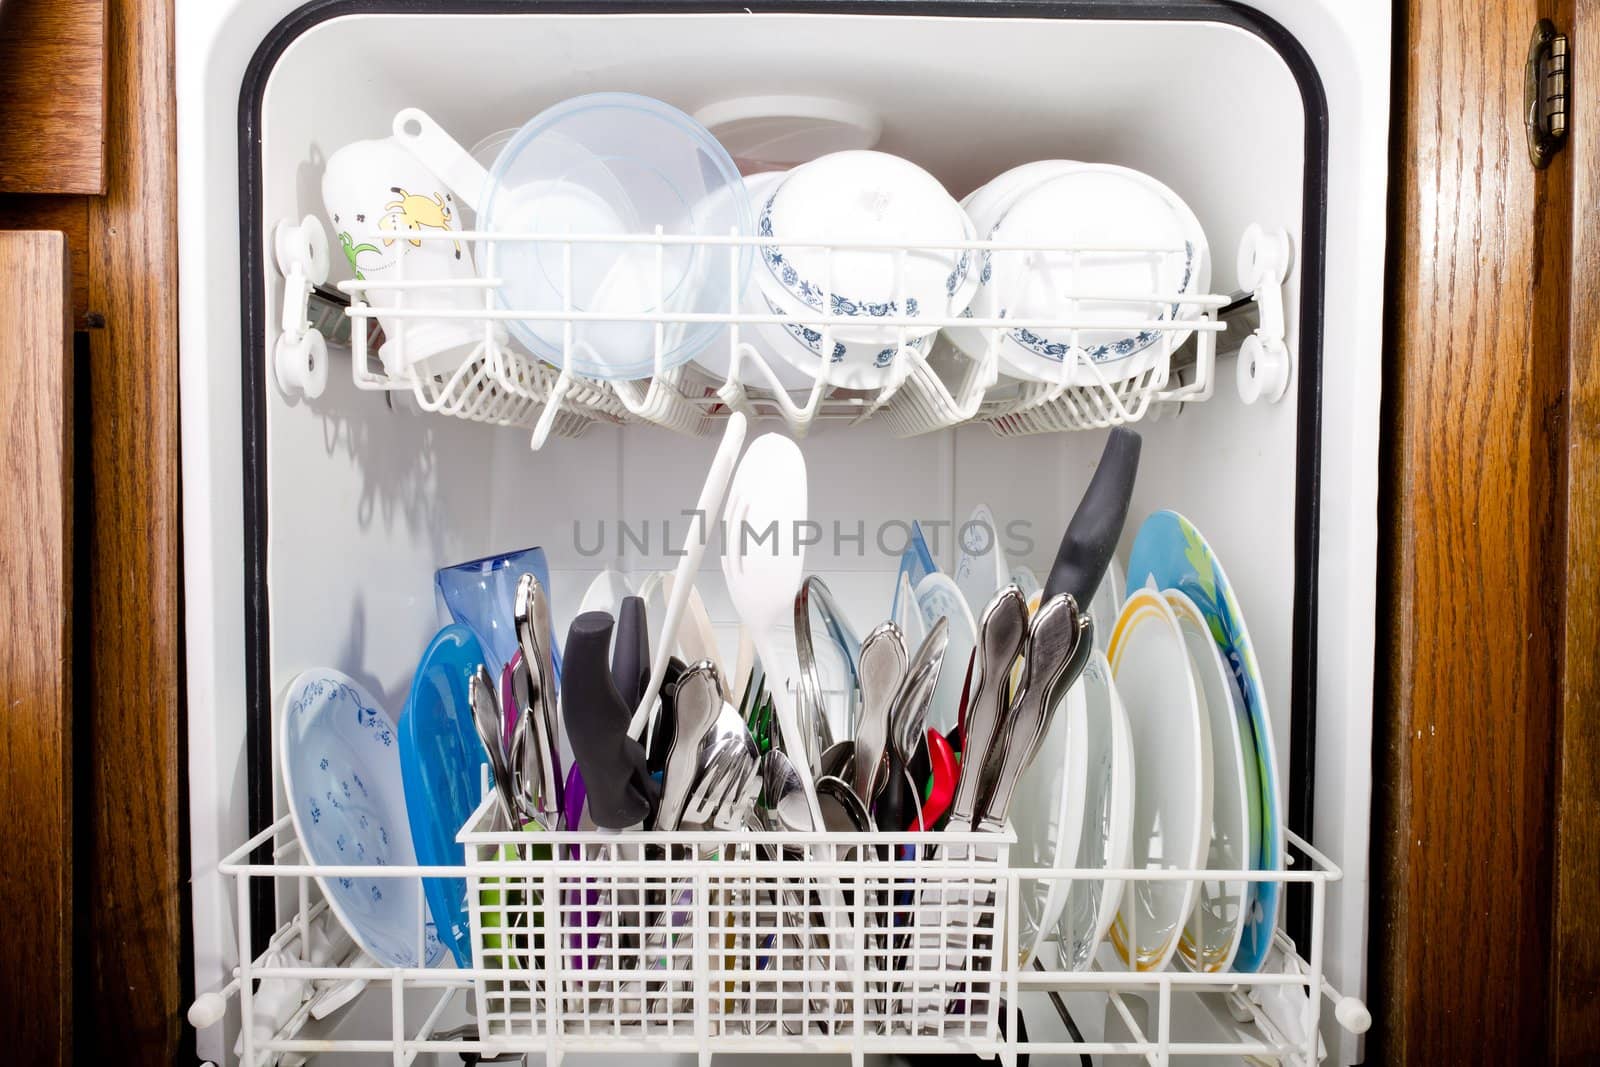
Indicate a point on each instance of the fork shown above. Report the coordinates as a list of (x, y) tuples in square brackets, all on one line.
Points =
[(721, 799)]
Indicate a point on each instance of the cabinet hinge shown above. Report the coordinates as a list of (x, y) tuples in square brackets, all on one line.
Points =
[(1547, 87)]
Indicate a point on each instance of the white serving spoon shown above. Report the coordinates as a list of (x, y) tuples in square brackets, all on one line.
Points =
[(764, 564)]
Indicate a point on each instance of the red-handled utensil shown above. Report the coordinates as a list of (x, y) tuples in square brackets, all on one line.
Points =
[(942, 784)]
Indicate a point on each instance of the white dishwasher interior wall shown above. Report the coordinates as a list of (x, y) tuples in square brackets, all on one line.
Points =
[(313, 528)]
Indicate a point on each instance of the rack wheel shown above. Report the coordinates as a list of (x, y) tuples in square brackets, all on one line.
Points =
[(303, 245), (1353, 1015), (207, 1010), (1262, 371), (301, 366), (1263, 256)]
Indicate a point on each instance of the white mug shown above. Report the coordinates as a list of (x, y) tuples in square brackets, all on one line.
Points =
[(379, 197)]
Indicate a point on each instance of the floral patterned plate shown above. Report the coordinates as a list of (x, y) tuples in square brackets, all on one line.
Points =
[(1169, 550), (340, 758)]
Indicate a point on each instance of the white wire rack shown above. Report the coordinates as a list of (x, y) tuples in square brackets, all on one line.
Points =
[(917, 392), (759, 943)]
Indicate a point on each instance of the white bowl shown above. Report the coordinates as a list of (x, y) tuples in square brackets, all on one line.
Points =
[(791, 350), (851, 364), (985, 206), (717, 357), (1089, 206), (869, 197)]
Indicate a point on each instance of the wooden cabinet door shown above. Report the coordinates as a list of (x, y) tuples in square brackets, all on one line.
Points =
[(1485, 934), (35, 646)]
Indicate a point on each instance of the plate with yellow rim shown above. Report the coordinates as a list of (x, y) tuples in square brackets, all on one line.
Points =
[(1211, 938), (1172, 790), (1169, 551)]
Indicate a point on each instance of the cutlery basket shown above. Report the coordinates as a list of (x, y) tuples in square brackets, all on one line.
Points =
[(757, 939)]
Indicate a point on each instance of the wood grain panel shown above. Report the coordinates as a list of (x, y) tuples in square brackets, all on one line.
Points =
[(1575, 1000), (35, 643), (1472, 570), (132, 1005), (53, 82), (70, 215)]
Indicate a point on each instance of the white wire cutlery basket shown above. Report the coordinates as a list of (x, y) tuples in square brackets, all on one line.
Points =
[(758, 939)]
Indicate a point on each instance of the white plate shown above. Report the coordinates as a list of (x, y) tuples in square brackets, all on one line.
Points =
[(1047, 815), (937, 596), (981, 567), (1170, 552), (1106, 838), (340, 758), (1172, 802), (1024, 579), (1107, 603), (1211, 939)]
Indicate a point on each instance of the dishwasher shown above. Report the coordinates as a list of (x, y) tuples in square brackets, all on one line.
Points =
[(353, 428)]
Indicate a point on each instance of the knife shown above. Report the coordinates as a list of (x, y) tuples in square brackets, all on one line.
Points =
[(1091, 537)]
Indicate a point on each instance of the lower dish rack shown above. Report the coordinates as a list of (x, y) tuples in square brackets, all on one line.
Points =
[(706, 943)]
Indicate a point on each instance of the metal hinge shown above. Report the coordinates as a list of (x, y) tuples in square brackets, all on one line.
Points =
[(1547, 86)]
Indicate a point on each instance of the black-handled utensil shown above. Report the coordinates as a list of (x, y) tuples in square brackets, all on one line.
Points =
[(630, 655), (1091, 537), (615, 775), (666, 717)]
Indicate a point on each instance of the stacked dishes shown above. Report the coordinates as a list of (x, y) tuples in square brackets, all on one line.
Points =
[(1124, 250), (857, 258), (1169, 553)]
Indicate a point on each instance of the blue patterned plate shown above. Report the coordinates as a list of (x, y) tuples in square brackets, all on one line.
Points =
[(441, 763), (341, 774), (1169, 550)]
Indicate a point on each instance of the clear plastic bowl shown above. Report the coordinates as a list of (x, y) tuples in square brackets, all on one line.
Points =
[(615, 163)]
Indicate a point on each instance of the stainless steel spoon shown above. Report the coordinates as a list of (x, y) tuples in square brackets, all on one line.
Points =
[(883, 669), (814, 593), (486, 719), (838, 760), (786, 797), (698, 703)]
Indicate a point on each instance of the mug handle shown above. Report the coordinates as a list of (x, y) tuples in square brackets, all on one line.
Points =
[(442, 154)]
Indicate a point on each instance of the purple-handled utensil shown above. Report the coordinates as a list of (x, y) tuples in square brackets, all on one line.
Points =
[(573, 797)]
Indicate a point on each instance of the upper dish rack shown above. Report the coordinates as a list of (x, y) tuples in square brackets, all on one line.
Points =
[(921, 392)]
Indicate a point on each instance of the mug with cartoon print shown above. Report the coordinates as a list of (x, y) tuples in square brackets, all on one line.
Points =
[(381, 202)]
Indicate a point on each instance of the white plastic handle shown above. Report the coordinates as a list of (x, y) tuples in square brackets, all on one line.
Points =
[(694, 548), (442, 154)]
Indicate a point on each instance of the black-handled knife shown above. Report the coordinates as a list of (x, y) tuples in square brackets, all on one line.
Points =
[(1091, 537)]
